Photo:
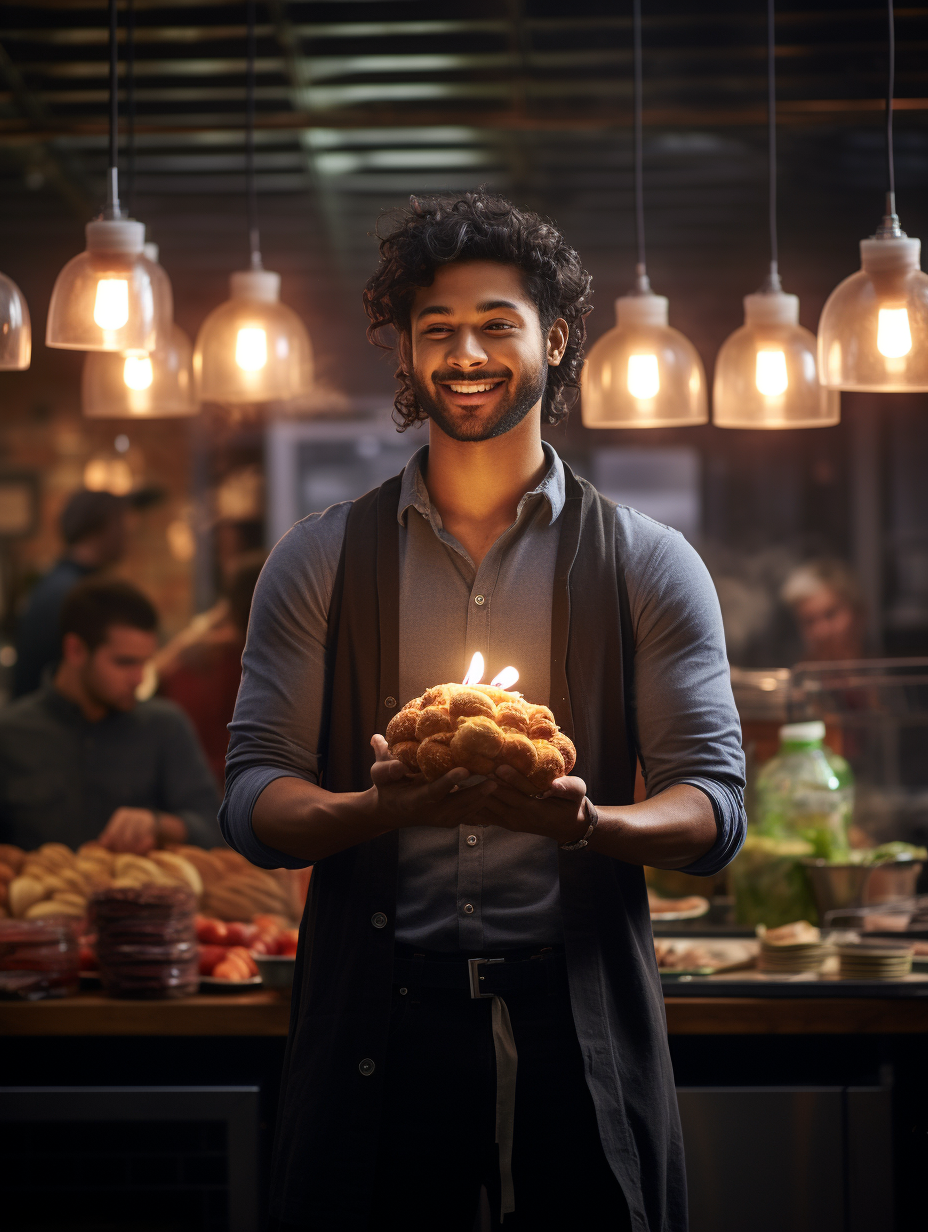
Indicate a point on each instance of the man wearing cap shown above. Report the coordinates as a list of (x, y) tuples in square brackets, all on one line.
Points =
[(93, 526)]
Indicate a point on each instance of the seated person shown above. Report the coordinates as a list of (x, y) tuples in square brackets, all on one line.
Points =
[(827, 602), (82, 759), (93, 527)]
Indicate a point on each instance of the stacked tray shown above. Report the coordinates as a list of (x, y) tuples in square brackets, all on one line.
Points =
[(875, 962), (792, 958)]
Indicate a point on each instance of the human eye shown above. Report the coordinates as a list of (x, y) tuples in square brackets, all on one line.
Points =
[(500, 326)]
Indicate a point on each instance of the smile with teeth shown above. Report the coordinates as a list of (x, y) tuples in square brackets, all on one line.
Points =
[(473, 387)]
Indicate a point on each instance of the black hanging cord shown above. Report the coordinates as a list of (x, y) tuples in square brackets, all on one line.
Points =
[(130, 105), (641, 269), (890, 91), (254, 237), (112, 200), (772, 144)]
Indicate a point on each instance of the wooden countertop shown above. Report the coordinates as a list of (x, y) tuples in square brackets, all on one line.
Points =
[(267, 1014)]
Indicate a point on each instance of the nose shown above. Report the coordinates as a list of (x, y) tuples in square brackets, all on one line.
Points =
[(466, 351)]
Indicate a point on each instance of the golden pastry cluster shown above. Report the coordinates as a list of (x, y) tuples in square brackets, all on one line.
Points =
[(479, 727), (54, 880)]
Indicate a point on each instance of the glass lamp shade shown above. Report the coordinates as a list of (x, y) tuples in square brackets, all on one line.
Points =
[(642, 373), (15, 328), (873, 332), (765, 374), (141, 386), (110, 297), (252, 348)]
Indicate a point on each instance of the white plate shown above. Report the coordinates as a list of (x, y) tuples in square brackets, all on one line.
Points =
[(692, 914)]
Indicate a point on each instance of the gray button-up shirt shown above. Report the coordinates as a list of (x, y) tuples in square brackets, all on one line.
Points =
[(485, 887)]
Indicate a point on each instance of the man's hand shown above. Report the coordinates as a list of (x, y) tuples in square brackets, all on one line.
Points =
[(405, 799), (515, 804), (138, 831), (131, 829)]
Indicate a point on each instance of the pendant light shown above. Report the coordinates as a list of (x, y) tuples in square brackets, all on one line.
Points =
[(642, 373), (15, 328), (252, 348), (765, 373), (110, 297), (873, 332), (141, 384)]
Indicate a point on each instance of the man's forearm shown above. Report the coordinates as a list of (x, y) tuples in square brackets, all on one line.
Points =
[(670, 830), (304, 820)]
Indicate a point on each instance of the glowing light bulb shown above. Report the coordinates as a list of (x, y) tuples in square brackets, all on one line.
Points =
[(111, 306), (251, 349), (893, 336), (643, 377), (770, 374), (137, 372), (475, 671), (505, 679)]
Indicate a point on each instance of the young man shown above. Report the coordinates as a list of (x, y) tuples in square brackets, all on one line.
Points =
[(405, 1092), (81, 759)]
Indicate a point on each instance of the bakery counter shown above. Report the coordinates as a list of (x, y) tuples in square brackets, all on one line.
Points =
[(263, 1014)]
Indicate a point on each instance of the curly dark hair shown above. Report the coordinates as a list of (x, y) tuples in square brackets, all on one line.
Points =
[(479, 226)]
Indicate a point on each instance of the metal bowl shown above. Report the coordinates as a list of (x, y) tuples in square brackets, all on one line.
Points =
[(837, 886), (276, 971)]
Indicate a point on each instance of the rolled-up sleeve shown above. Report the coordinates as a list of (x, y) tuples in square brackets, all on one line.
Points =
[(686, 723), (276, 726)]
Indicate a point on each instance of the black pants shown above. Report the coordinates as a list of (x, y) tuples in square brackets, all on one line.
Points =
[(436, 1140)]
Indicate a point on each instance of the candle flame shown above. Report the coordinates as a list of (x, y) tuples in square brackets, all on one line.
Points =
[(505, 679), (475, 671)]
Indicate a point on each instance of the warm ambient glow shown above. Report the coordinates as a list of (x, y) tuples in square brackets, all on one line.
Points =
[(770, 374), (505, 679), (475, 671), (251, 349), (893, 335), (643, 378), (137, 372), (111, 306)]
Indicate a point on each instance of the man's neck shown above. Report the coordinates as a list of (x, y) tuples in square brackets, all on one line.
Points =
[(476, 486), (68, 683)]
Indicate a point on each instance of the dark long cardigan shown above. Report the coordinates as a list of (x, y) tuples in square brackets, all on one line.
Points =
[(330, 1112)]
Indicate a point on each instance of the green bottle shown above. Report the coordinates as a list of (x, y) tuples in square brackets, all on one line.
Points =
[(806, 792)]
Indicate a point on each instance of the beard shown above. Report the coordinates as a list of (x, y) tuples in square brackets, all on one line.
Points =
[(465, 425)]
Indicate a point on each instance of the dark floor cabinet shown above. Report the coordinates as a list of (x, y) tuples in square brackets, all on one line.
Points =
[(788, 1159)]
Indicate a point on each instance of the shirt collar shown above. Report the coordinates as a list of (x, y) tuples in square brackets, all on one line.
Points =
[(414, 494)]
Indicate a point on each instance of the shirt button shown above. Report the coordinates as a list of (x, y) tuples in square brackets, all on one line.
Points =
[(366, 1067), (379, 920), (472, 840), (468, 908), (480, 600), (389, 702)]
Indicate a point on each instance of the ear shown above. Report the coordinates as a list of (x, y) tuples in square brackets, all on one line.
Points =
[(74, 650), (558, 336)]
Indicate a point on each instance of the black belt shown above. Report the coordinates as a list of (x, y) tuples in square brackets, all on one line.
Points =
[(485, 977)]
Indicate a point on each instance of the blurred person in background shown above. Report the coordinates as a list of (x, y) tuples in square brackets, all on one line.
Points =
[(200, 669), (826, 600), (93, 527), (82, 759)]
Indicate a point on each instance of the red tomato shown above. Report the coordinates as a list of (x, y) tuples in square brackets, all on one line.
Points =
[(260, 946), (240, 934), (212, 932), (210, 955), (287, 943)]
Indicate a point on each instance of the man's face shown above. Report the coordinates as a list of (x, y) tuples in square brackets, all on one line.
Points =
[(111, 673), (829, 626), (476, 354)]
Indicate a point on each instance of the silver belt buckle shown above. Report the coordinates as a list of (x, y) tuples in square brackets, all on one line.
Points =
[(474, 978)]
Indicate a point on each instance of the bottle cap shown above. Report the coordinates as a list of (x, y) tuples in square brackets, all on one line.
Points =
[(802, 733)]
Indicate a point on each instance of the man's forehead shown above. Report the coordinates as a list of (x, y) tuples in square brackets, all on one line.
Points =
[(128, 636), (473, 286)]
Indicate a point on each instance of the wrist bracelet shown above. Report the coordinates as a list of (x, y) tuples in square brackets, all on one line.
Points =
[(592, 816)]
